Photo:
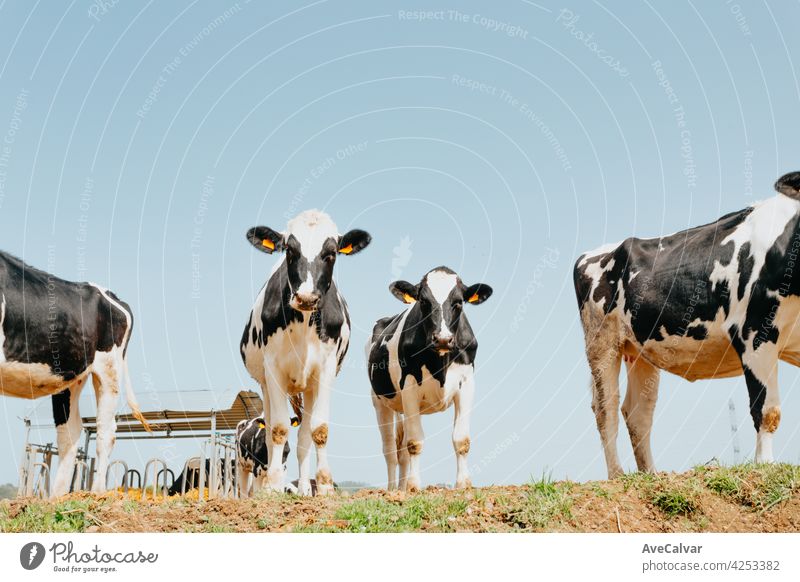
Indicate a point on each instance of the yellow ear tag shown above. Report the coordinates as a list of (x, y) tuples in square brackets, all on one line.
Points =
[(262, 425), (408, 298), (473, 299), (346, 250), (295, 423), (268, 243)]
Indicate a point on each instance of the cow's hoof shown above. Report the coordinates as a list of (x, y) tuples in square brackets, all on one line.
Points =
[(304, 488), (412, 486), (464, 484), (324, 490)]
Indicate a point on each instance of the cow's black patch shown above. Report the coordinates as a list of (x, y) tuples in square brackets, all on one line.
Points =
[(60, 403), (55, 322), (666, 282)]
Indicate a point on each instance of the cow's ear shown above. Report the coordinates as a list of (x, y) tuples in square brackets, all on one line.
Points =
[(477, 293), (404, 291), (353, 241), (265, 239)]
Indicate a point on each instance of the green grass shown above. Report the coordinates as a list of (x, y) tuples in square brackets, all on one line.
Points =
[(65, 517), (543, 502), (432, 512), (760, 486)]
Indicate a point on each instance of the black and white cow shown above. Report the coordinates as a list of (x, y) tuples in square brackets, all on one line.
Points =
[(297, 335), (714, 301), (422, 361), (251, 440), (54, 334), (191, 474)]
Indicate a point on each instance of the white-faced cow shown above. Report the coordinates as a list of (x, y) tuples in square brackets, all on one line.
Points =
[(715, 301), (53, 335), (253, 458), (297, 336), (421, 361)]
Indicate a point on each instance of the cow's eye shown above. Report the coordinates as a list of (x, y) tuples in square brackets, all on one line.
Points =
[(457, 306)]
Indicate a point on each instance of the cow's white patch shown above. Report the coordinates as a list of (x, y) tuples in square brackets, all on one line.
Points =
[(605, 249), (312, 228), (441, 283), (307, 286)]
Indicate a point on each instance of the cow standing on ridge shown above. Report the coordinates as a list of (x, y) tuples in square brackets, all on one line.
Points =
[(421, 361), (54, 334), (715, 301), (296, 338)]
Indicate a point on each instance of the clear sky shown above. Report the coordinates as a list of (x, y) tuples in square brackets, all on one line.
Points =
[(141, 140)]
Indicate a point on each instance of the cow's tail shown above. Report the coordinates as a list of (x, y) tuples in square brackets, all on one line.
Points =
[(131, 397), (296, 401)]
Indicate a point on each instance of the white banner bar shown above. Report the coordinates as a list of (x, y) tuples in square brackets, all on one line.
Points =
[(401, 557)]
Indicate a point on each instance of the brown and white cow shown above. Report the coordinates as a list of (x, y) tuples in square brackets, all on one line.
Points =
[(715, 301), (54, 334), (297, 336)]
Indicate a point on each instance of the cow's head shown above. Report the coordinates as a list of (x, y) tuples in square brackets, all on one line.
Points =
[(311, 243), (441, 296)]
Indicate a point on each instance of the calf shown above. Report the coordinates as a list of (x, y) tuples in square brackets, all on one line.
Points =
[(421, 361), (54, 334), (714, 301), (296, 337), (191, 474), (251, 441)]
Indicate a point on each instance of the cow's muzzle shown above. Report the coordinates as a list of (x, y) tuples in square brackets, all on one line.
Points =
[(443, 344), (305, 301)]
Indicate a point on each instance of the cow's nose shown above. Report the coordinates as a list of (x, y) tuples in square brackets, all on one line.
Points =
[(306, 301), (443, 342)]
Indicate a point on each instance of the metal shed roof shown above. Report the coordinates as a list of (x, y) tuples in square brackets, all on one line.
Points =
[(225, 408)]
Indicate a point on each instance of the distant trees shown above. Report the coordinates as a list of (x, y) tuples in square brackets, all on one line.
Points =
[(8, 491)]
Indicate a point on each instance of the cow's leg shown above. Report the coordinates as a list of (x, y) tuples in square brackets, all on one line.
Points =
[(385, 416), (638, 409), (106, 382), (414, 436), (761, 375), (68, 432), (320, 415), (278, 430), (402, 450), (605, 401), (304, 447), (243, 480), (461, 442)]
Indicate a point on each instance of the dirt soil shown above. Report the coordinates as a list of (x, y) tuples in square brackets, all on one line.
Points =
[(707, 500)]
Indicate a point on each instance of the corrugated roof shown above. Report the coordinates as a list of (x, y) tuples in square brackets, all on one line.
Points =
[(186, 411)]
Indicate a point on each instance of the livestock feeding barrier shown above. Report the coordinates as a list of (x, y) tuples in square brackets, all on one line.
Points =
[(213, 425)]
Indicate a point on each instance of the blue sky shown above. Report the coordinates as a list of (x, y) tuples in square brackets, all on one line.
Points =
[(501, 140)]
